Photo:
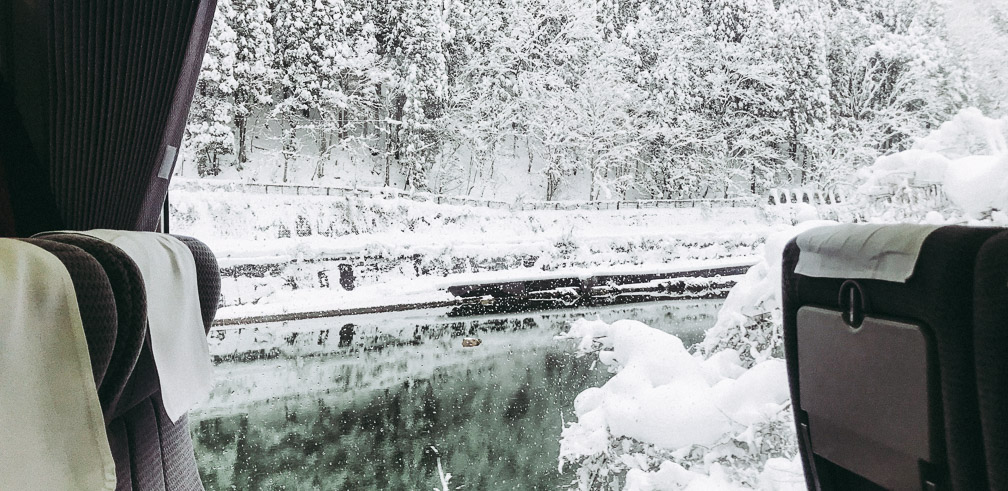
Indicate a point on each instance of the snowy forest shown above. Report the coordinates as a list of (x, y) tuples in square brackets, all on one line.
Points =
[(580, 99)]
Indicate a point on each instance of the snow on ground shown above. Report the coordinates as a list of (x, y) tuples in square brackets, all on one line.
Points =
[(282, 253), (420, 289), (719, 417)]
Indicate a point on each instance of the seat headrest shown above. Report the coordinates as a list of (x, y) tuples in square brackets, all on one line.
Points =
[(862, 251), (207, 278)]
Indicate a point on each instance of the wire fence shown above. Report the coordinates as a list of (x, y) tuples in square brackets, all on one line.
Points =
[(525, 205)]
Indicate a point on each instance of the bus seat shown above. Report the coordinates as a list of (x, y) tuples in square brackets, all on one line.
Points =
[(92, 112), (173, 461), (160, 451), (96, 303), (991, 349), (177, 452), (71, 405), (131, 310), (147, 468), (151, 452), (881, 371), (208, 279)]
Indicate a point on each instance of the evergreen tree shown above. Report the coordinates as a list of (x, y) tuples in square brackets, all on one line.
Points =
[(802, 48), (253, 69), (208, 131), (296, 65), (666, 98), (425, 31)]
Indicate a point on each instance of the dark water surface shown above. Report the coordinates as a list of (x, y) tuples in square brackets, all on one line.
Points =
[(367, 418)]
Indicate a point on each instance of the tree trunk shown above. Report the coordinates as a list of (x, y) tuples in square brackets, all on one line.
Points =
[(242, 124), (528, 150), (752, 179)]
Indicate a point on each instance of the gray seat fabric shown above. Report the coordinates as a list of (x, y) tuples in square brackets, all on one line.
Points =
[(207, 278), (131, 313), (160, 451), (93, 103), (147, 469), (96, 303), (131, 310), (151, 452), (177, 455)]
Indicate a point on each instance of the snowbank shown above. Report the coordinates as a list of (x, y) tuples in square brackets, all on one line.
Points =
[(964, 161), (719, 417), (750, 320), (674, 420)]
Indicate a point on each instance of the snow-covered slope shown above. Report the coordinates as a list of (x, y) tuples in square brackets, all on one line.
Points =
[(283, 253)]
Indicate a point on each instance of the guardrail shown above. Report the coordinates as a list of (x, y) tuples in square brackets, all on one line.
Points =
[(391, 193), (817, 197)]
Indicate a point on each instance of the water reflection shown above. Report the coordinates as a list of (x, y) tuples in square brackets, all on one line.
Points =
[(367, 419)]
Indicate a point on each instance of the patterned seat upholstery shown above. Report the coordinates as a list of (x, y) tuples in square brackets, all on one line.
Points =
[(131, 309), (208, 278), (97, 307), (151, 451)]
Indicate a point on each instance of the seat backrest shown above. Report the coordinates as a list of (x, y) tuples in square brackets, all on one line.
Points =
[(208, 278), (990, 315), (936, 301), (130, 309), (171, 463), (96, 303)]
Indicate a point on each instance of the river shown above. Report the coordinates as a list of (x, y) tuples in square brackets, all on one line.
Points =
[(363, 402)]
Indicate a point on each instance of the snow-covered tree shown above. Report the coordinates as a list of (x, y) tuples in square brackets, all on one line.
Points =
[(579, 100), (297, 67), (660, 98), (485, 113), (425, 31), (712, 111), (253, 68), (893, 77), (208, 131), (802, 50)]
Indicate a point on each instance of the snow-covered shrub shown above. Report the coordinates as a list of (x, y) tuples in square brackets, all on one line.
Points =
[(750, 319), (669, 419), (961, 167)]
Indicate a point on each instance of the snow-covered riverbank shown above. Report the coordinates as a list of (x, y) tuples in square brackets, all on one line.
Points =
[(282, 254)]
